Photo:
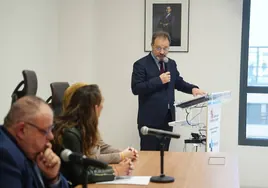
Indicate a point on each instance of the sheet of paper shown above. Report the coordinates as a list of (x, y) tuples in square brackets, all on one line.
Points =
[(134, 180)]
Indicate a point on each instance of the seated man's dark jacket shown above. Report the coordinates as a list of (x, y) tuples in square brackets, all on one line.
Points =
[(16, 170), (71, 140)]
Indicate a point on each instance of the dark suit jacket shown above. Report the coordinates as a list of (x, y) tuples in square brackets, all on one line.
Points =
[(169, 21), (16, 171), (154, 96)]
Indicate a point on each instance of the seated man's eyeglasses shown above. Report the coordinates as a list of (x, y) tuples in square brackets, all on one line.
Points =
[(43, 131)]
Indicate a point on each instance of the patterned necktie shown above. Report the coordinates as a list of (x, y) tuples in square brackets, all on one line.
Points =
[(162, 70)]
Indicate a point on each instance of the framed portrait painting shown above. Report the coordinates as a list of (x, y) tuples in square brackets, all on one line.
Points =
[(171, 16)]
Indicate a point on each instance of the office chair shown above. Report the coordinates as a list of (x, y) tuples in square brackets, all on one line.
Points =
[(55, 100), (30, 85)]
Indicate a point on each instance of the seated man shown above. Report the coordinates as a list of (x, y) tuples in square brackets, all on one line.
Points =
[(26, 157)]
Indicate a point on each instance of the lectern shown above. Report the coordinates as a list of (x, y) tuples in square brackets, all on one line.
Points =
[(212, 103)]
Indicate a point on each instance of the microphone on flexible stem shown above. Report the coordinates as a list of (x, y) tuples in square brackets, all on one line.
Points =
[(149, 131), (162, 178), (73, 157)]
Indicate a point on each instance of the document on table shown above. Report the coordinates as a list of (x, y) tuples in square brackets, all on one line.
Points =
[(134, 180)]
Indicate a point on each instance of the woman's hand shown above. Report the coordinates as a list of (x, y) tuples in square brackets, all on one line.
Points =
[(130, 153), (124, 168)]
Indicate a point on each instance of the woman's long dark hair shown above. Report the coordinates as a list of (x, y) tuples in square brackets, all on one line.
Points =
[(81, 113)]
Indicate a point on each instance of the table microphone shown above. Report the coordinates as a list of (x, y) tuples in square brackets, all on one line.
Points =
[(163, 135), (149, 131), (69, 156)]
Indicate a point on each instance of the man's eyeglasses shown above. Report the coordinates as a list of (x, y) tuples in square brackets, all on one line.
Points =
[(43, 131), (159, 49)]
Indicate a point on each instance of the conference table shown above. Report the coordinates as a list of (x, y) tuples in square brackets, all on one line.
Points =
[(189, 169)]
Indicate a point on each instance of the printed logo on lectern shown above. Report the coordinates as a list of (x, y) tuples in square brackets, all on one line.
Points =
[(211, 114), (211, 145)]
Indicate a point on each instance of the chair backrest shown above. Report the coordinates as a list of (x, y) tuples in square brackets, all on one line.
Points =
[(30, 85), (57, 90)]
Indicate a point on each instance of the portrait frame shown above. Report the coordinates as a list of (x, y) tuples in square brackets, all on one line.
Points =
[(176, 25)]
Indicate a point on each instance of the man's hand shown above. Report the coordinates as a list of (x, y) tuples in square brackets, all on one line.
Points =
[(165, 77), (49, 164), (196, 91)]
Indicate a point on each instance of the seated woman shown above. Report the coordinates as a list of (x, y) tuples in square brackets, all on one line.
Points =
[(77, 129), (102, 151)]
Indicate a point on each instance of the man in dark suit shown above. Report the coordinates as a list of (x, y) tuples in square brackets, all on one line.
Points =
[(26, 158), (154, 82)]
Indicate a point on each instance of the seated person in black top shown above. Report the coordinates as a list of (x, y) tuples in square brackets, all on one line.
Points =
[(77, 129)]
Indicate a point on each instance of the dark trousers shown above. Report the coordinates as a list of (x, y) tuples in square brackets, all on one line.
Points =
[(151, 142)]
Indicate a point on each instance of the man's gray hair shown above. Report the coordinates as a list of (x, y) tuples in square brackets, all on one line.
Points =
[(23, 109)]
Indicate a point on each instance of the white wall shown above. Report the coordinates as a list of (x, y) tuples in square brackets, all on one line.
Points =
[(46, 36), (28, 40), (120, 34), (77, 40), (98, 41)]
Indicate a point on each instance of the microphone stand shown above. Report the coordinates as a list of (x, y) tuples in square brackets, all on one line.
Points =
[(162, 178), (85, 174)]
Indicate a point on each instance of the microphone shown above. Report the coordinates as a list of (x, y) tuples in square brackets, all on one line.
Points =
[(149, 131), (165, 59), (69, 156)]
